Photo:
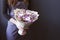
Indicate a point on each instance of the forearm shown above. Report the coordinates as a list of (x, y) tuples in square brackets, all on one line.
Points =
[(21, 29)]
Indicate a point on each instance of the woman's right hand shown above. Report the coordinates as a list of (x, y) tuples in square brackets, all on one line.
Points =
[(21, 30), (18, 25)]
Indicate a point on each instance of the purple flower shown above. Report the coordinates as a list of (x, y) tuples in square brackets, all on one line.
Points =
[(29, 16)]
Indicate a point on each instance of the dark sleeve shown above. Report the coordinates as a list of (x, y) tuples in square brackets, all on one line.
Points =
[(5, 9)]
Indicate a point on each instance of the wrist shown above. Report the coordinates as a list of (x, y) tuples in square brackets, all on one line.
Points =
[(22, 32)]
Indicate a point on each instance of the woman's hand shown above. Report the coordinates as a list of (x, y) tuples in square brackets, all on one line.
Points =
[(18, 24), (21, 30), (21, 26)]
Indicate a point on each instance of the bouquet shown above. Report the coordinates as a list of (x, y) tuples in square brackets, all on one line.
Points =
[(25, 17)]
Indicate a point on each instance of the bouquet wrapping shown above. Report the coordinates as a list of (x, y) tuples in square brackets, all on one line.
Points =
[(25, 18)]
